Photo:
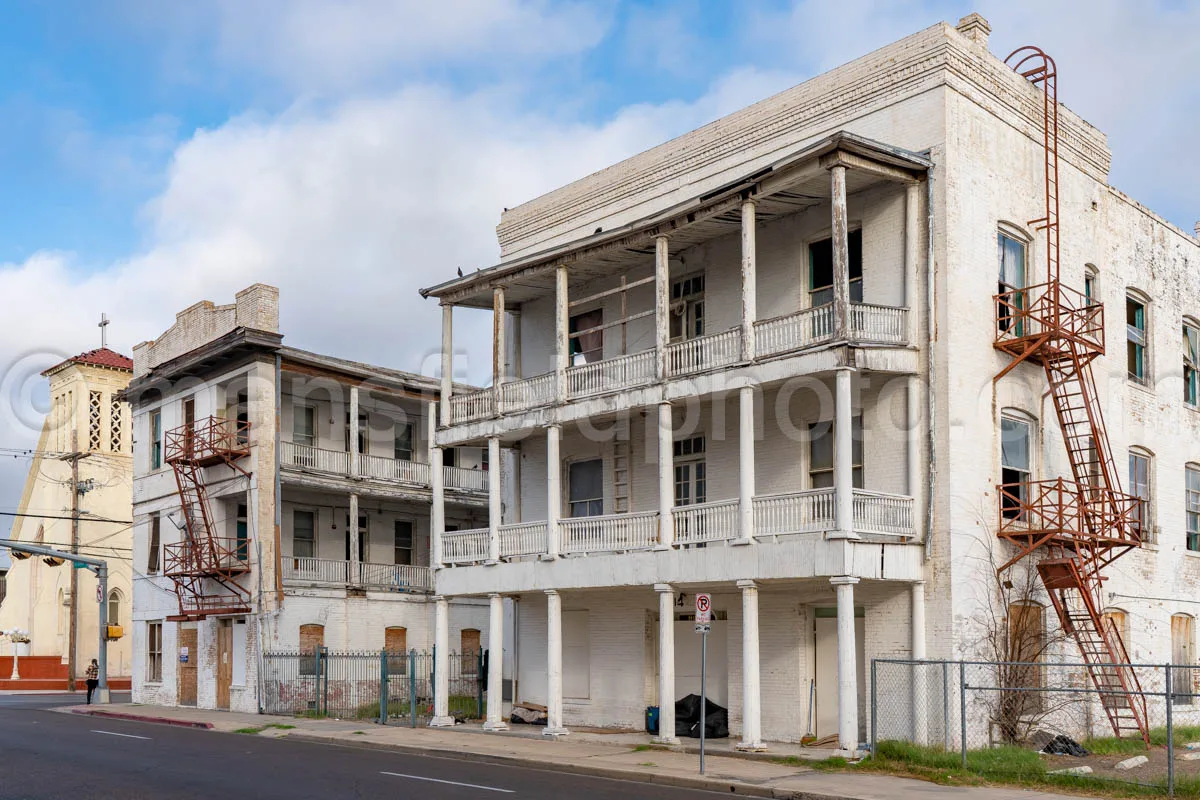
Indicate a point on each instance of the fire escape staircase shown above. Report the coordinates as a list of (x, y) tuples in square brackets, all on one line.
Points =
[(205, 566), (1074, 528)]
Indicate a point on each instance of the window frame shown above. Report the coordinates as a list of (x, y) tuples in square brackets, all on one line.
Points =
[(156, 439), (307, 412), (594, 504), (858, 441), (1145, 513), (154, 545), (1008, 510), (410, 549), (1191, 362), (1191, 506), (1020, 300), (154, 651), (114, 597), (690, 291), (312, 515), (401, 432), (1137, 339), (690, 469), (854, 256)]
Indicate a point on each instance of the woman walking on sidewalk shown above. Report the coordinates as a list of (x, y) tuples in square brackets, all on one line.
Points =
[(93, 679)]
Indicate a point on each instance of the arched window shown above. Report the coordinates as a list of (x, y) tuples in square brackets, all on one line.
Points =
[(1026, 645), (114, 607), (1137, 326), (1191, 492), (1118, 621), (1012, 246), (1183, 656), (1191, 361), (1016, 461), (1141, 483), (1091, 284)]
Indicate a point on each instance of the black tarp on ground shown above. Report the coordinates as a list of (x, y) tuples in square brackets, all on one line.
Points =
[(687, 719)]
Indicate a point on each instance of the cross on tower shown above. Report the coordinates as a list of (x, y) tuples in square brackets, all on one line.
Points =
[(103, 326)]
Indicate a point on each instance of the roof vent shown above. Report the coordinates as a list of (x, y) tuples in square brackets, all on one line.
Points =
[(976, 28)]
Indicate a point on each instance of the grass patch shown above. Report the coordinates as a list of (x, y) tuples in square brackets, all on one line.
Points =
[(1111, 746), (261, 728), (359, 733), (647, 764), (646, 748)]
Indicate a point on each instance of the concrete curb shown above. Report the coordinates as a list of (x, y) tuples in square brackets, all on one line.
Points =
[(179, 723), (723, 786)]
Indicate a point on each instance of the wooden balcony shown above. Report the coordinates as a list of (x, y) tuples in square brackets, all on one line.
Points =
[(367, 575), (393, 470), (878, 516)]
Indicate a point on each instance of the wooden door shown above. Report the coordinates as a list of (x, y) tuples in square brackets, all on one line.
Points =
[(224, 662), (187, 666)]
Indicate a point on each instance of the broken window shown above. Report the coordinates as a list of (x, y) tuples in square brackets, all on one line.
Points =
[(156, 440), (1011, 285), (1015, 435), (1191, 363), (687, 308), (587, 337), (304, 534), (304, 426), (404, 542), (820, 259), (155, 549), (404, 441), (1139, 486)]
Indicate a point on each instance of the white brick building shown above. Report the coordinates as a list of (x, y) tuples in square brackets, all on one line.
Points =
[(676, 333), (310, 442)]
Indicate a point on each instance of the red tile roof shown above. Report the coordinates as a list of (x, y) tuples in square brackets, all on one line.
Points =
[(101, 357)]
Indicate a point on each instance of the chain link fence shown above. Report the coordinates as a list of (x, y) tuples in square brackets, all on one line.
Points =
[(1020, 720), (389, 687)]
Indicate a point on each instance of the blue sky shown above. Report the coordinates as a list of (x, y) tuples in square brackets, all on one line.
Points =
[(157, 153)]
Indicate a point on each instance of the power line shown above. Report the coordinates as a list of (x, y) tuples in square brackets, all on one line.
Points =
[(49, 516)]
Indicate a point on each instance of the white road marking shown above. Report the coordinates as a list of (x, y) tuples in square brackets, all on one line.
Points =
[(126, 735), (450, 783)]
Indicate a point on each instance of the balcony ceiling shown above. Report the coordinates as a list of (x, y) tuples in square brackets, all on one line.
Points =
[(792, 185)]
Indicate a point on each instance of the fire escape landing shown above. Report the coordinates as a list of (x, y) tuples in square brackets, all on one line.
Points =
[(1074, 528), (205, 566)]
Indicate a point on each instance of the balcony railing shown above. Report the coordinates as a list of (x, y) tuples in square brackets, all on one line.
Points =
[(706, 522), (471, 406), (521, 395), (880, 324), (394, 577), (337, 462), (704, 353), (523, 539), (812, 511), (794, 331), (610, 533), (610, 375), (465, 547), (883, 514), (393, 469), (314, 458)]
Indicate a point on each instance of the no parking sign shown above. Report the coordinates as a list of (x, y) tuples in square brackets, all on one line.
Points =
[(703, 613)]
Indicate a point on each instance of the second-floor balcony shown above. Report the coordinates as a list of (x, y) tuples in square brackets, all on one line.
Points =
[(381, 577), (878, 516), (393, 470)]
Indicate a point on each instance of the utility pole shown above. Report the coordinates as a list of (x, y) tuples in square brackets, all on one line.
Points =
[(72, 664)]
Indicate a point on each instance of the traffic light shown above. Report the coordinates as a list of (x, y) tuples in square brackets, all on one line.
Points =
[(52, 561), (19, 555)]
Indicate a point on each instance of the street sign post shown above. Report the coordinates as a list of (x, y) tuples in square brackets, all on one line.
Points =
[(703, 625)]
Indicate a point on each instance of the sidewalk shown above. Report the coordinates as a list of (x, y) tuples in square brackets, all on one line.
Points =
[(595, 754)]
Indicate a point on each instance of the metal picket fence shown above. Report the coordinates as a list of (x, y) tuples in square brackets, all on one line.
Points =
[(388, 687), (992, 718)]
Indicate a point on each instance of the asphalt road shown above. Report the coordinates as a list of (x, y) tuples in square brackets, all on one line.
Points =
[(46, 754)]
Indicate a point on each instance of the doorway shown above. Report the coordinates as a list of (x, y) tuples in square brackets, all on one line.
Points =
[(826, 673), (187, 666), (224, 662)]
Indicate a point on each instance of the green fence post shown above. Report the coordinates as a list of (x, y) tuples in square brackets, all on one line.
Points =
[(383, 687), (317, 685), (433, 679), (323, 655), (479, 678), (412, 685)]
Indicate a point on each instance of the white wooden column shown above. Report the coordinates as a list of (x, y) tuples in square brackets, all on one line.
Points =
[(495, 503), (499, 345), (662, 303), (912, 239), (441, 664), (666, 664), (920, 683), (841, 254), (495, 674), (843, 455), (554, 668), (847, 664), (751, 677), (553, 489), (447, 361), (914, 436), (562, 336), (353, 534), (437, 480), (745, 465), (666, 477), (353, 423), (749, 279)]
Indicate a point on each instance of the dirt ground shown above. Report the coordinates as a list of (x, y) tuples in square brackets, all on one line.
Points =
[(1155, 770)]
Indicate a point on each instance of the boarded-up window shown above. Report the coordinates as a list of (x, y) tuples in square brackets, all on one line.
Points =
[(469, 648), (577, 657), (1026, 642), (1119, 622), (312, 639), (1183, 634), (395, 641)]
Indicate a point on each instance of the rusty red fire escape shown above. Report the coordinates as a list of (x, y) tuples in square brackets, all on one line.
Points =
[(205, 566), (1074, 528)]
